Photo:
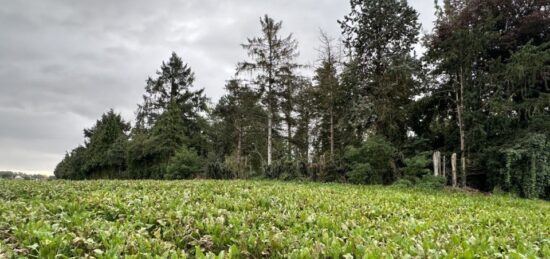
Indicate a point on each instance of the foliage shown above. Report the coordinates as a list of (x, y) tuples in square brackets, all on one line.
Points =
[(380, 34), (371, 116), (239, 126), (185, 164), (172, 85), (432, 182), (103, 154), (497, 51), (272, 65), (218, 170), (403, 183), (335, 170), (371, 163), (238, 219), (286, 170), (149, 153), (329, 100), (526, 170), (418, 165)]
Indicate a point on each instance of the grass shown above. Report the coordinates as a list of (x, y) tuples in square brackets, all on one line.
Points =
[(232, 219)]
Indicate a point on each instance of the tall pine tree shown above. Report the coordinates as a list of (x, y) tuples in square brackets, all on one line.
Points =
[(272, 62)]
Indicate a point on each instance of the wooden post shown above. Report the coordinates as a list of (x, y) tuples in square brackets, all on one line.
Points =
[(453, 168), (437, 163)]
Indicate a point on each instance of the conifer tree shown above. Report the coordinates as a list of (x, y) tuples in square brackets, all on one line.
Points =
[(380, 34), (272, 62)]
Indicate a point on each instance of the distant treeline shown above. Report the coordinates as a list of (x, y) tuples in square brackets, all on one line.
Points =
[(373, 113), (18, 175)]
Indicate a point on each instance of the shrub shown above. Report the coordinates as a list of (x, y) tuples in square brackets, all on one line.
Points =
[(242, 169), (363, 173), (184, 164), (284, 170), (371, 162), (403, 183), (334, 171), (218, 170), (417, 172), (418, 165), (432, 182)]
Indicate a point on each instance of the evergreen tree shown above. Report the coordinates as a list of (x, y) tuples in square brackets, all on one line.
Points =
[(103, 144), (71, 167), (330, 97), (174, 83), (272, 62), (381, 35), (149, 154), (101, 156), (240, 126), (305, 118)]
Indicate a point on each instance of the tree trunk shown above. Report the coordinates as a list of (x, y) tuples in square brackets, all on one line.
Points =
[(289, 136), (331, 134), (444, 167), (308, 155), (239, 147), (453, 169), (460, 112), (269, 135)]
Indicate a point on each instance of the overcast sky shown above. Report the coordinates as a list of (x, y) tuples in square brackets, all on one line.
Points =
[(65, 62)]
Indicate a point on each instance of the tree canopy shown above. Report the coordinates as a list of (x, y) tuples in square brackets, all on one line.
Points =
[(369, 111)]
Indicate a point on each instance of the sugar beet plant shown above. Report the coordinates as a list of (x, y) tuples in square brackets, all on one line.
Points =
[(235, 219)]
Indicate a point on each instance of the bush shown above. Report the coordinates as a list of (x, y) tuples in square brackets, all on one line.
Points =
[(432, 182), (334, 171), (218, 170), (285, 170), (184, 164), (403, 183), (418, 165), (371, 162), (363, 173)]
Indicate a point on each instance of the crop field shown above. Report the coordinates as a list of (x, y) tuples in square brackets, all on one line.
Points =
[(236, 219)]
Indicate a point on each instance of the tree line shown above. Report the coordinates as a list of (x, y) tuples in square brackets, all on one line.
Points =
[(19, 175), (373, 113)]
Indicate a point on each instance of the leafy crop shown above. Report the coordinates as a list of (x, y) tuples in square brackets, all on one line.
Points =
[(232, 219)]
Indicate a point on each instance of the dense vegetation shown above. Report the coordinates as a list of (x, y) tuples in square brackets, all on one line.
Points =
[(372, 114), (142, 219)]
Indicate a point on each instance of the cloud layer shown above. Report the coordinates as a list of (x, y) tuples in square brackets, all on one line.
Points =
[(63, 63)]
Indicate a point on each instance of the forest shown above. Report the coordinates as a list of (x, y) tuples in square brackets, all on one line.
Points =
[(374, 112)]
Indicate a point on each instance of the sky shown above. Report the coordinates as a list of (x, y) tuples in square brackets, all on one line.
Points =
[(63, 63)]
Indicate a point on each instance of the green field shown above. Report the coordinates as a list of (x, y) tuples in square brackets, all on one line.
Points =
[(233, 219)]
